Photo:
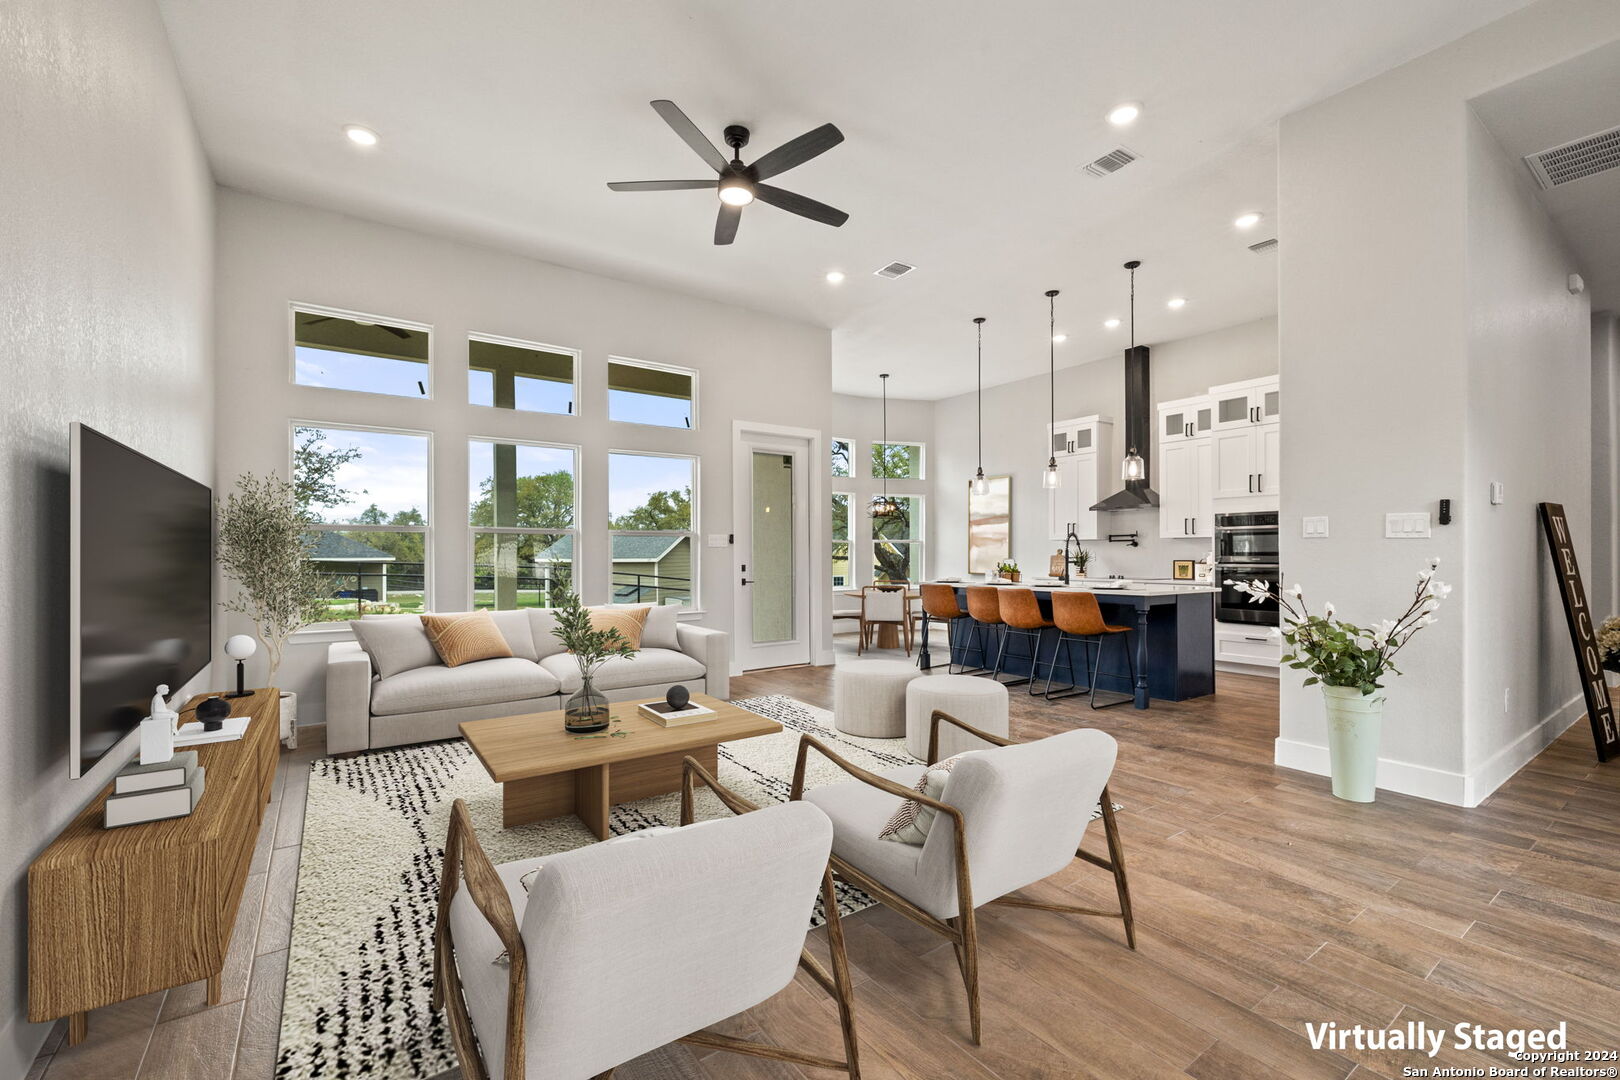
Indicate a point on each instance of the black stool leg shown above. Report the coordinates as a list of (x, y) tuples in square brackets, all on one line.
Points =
[(1130, 664)]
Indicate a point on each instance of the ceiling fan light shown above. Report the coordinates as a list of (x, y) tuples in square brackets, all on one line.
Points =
[(736, 192)]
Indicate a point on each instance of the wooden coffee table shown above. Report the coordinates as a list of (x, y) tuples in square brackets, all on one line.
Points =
[(544, 772)]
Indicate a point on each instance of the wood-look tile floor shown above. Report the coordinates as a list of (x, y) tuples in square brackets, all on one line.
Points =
[(1262, 904)]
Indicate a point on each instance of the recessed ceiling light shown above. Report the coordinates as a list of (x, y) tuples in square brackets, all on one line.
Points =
[(835, 277), (1111, 324), (1247, 221), (1058, 339), (1177, 303), (1120, 115), (360, 136)]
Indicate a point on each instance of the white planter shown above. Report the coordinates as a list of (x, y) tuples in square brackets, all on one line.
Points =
[(289, 719), (1354, 722)]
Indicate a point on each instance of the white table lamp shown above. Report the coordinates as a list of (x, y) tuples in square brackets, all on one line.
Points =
[(239, 648)]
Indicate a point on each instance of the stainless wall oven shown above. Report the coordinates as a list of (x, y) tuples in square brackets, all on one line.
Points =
[(1246, 539), (1235, 606)]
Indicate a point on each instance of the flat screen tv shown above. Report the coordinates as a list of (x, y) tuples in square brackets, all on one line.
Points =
[(141, 591)]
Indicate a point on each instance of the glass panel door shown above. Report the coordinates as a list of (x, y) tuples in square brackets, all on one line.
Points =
[(772, 572)]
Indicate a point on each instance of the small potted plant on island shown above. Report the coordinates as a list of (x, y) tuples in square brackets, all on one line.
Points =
[(1349, 662), (587, 711), (1081, 561), (1008, 571)]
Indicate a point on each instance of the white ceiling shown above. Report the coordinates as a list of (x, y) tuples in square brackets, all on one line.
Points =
[(966, 125), (1577, 98)]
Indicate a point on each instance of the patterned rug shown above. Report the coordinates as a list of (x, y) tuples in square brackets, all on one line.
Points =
[(360, 973)]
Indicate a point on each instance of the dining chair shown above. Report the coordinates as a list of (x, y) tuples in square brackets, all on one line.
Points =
[(565, 966), (884, 605), (1009, 815)]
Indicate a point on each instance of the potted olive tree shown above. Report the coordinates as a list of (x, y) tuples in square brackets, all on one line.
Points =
[(1349, 662)]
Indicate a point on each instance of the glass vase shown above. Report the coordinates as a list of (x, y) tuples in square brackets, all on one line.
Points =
[(586, 711)]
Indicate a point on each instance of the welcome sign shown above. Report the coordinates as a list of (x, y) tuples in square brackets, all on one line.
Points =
[(1587, 657)]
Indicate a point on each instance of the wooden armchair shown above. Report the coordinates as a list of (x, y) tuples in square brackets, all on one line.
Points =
[(646, 939), (1016, 815)]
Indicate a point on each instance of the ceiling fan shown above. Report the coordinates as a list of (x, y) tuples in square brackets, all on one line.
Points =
[(740, 184)]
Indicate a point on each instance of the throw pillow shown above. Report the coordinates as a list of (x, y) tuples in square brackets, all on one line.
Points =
[(462, 639), (910, 823), (395, 643), (628, 621), (659, 633), (518, 630)]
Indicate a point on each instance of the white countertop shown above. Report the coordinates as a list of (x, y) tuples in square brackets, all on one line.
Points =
[(1100, 586)]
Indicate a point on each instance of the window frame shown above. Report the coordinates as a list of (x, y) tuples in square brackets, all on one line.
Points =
[(648, 365), (693, 534), (853, 457), (577, 355), (522, 530), (295, 308), (429, 585), (849, 540), (922, 458), (919, 546)]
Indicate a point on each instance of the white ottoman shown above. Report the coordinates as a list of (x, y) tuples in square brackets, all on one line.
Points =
[(971, 699), (869, 697)]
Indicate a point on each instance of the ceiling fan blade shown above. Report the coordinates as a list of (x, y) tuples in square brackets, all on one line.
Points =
[(797, 151), (690, 134), (662, 185), (798, 204), (725, 226)]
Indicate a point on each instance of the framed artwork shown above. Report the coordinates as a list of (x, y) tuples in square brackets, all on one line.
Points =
[(990, 525), (1181, 570)]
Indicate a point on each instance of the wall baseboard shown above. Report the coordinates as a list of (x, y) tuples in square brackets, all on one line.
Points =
[(1442, 785)]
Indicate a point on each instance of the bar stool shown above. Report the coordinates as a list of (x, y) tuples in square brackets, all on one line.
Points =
[(1079, 618), (984, 608), (939, 606), (1021, 617)]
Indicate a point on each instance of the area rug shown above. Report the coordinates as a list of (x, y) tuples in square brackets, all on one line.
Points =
[(360, 970)]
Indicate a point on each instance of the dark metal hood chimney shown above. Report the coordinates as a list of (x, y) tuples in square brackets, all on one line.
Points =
[(1136, 494)]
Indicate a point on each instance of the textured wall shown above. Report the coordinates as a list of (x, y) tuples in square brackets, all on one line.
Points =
[(105, 311)]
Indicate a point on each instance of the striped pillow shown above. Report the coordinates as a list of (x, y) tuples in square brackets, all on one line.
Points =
[(628, 621), (910, 823), (462, 639)]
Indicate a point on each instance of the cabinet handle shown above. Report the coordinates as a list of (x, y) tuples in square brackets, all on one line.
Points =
[(1261, 481), (1246, 637), (1189, 430), (1251, 483), (1195, 526)]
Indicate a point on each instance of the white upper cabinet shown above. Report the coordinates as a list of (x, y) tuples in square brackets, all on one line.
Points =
[(1081, 436), (1084, 452), (1188, 418), (1186, 487), (1243, 404)]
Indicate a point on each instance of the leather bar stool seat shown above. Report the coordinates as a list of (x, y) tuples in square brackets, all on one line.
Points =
[(1079, 617)]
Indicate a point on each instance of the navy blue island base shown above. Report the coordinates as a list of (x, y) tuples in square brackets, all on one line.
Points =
[(1172, 633)]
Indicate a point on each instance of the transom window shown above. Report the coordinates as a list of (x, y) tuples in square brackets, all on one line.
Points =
[(523, 506), (644, 393), (507, 374), (344, 351), (843, 457), (652, 518), (897, 461)]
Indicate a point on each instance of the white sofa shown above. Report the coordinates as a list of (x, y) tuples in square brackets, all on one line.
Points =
[(388, 687)]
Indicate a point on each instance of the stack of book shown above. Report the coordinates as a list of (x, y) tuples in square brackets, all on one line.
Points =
[(659, 712), (168, 789)]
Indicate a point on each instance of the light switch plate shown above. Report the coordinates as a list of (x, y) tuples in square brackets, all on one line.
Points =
[(1314, 528), (1406, 526), (719, 540), (1497, 494)]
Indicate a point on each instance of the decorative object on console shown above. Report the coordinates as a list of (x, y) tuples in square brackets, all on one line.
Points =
[(1182, 570), (981, 486), (1349, 661), (156, 804), (1594, 687), (213, 712), (1051, 478), (229, 729), (239, 647), (587, 709), (139, 777)]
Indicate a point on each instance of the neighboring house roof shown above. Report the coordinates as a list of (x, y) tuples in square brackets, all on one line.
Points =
[(335, 547), (626, 548)]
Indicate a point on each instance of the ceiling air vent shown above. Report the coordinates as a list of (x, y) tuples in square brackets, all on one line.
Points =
[(1111, 162), (1575, 160), (894, 270), (1264, 247)]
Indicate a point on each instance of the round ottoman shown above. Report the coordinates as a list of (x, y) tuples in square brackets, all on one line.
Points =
[(869, 697), (971, 699)]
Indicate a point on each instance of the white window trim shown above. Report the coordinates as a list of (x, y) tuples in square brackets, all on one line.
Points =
[(521, 530), (922, 458), (561, 350), (854, 458), (919, 545), (696, 607), (850, 540), (429, 585), (649, 365), (294, 309)]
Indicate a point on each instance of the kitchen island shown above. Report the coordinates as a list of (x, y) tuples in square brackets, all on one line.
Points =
[(1172, 635)]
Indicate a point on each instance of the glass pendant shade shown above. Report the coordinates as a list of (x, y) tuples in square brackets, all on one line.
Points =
[(1050, 478), (1133, 467), (981, 486)]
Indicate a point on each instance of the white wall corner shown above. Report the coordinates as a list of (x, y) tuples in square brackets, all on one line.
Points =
[(1497, 769), (1403, 777)]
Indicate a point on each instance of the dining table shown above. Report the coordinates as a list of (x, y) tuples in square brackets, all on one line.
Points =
[(888, 634)]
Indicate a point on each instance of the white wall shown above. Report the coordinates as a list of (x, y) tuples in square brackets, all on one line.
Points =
[(105, 262), (1603, 580), (861, 420), (1015, 416), (1379, 336), (751, 367)]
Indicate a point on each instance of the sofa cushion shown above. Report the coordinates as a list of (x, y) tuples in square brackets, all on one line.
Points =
[(518, 630), (482, 682), (659, 632), (465, 638), (395, 643), (649, 667), (542, 623)]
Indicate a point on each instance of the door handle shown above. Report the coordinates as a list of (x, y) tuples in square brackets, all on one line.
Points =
[(748, 581)]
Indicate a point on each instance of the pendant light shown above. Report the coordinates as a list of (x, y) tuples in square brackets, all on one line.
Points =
[(882, 505), (1051, 478), (981, 486), (1133, 467)]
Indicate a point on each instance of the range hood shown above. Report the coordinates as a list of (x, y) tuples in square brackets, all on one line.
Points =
[(1139, 434)]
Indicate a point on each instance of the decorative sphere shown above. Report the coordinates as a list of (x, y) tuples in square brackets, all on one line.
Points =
[(241, 646), (678, 697), (212, 712)]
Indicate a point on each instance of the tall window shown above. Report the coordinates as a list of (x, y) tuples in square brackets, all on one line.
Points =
[(343, 351), (643, 393), (897, 461), (508, 374), (523, 508), (368, 492), (843, 457), (652, 508), (841, 569), (897, 541)]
